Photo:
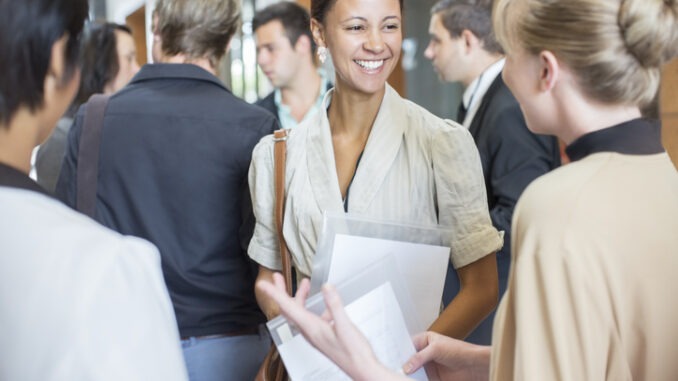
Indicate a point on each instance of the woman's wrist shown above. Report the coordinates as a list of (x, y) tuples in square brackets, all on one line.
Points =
[(375, 370), (479, 362)]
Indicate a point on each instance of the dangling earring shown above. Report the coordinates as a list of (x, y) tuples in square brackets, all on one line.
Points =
[(322, 54)]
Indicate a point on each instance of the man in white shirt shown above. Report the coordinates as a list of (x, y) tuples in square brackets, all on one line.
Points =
[(463, 49), (285, 53), (77, 301)]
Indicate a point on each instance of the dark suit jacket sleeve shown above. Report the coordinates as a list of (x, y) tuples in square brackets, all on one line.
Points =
[(66, 186), (514, 158)]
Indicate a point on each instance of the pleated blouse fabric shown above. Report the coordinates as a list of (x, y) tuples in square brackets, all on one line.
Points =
[(416, 168)]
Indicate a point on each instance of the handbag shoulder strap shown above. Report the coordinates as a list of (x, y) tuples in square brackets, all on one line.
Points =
[(88, 154), (280, 155)]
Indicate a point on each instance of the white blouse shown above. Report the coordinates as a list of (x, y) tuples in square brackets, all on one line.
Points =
[(79, 301), (416, 168)]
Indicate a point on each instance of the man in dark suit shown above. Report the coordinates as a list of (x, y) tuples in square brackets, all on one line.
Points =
[(463, 49), (285, 53)]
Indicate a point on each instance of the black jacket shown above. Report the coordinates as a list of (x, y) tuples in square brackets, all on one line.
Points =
[(268, 103), (511, 157), (175, 152)]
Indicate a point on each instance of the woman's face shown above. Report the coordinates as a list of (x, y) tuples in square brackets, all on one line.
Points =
[(127, 61), (364, 38)]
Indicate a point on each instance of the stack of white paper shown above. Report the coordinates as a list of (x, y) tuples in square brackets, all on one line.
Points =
[(378, 316), (391, 278), (421, 268)]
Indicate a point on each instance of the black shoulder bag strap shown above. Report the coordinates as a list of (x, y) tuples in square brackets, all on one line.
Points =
[(88, 154)]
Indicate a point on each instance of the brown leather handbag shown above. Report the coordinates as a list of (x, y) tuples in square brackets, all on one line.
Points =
[(273, 369)]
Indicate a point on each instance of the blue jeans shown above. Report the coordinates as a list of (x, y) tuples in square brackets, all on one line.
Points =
[(225, 358)]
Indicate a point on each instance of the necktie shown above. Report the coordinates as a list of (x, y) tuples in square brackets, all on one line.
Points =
[(461, 113)]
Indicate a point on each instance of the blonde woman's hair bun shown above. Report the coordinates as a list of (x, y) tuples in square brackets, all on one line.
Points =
[(649, 29)]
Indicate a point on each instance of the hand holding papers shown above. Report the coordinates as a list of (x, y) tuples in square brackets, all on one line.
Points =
[(374, 304), (380, 269)]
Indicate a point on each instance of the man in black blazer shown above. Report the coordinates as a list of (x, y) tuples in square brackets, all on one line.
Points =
[(463, 49), (285, 53)]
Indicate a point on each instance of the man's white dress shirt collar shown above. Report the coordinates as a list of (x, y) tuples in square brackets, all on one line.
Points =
[(475, 92)]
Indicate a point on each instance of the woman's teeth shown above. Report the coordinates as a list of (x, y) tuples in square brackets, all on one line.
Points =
[(370, 65)]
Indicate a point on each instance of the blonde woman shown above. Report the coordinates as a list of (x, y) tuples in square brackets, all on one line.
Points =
[(592, 290)]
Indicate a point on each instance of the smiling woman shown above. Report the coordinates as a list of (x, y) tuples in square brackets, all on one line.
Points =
[(372, 153), (365, 40)]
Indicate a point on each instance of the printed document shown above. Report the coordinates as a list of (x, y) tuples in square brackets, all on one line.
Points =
[(378, 316)]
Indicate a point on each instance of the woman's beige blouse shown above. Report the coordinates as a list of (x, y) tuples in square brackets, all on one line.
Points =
[(416, 168), (592, 290)]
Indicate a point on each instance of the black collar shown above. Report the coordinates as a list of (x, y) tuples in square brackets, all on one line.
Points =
[(634, 137), (172, 70), (13, 178)]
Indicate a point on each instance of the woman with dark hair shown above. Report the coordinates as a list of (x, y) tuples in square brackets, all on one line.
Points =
[(109, 60), (108, 63), (376, 154)]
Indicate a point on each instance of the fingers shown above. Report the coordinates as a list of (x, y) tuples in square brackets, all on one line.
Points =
[(420, 340), (272, 290), (425, 353), (302, 291), (327, 313), (326, 316), (279, 281), (278, 292), (335, 306), (294, 309), (417, 361)]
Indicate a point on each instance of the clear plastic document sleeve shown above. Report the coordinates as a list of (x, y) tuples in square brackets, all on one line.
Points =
[(350, 243), (377, 304)]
